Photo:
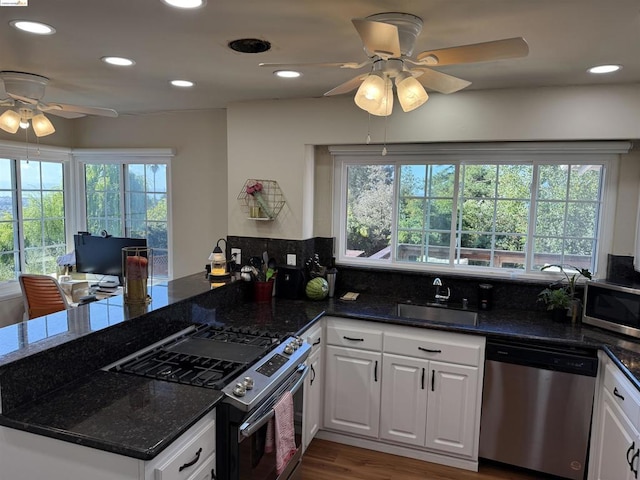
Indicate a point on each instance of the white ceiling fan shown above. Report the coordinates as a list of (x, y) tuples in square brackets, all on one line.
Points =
[(24, 98), (388, 40)]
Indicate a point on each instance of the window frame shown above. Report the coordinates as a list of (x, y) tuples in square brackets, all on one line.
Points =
[(606, 153), (123, 156)]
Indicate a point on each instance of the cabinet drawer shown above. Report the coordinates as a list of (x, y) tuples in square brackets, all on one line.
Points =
[(620, 388), (355, 334), (435, 345), (189, 459), (206, 470), (313, 337)]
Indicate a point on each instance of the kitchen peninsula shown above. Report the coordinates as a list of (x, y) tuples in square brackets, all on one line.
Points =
[(68, 397)]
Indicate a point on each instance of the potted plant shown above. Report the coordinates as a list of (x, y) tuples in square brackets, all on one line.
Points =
[(557, 301), (562, 295)]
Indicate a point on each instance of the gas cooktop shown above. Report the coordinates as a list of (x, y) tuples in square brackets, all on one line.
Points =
[(205, 356)]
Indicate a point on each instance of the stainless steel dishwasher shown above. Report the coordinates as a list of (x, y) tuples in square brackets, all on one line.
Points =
[(536, 407)]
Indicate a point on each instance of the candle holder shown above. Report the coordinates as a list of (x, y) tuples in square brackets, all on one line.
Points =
[(137, 268)]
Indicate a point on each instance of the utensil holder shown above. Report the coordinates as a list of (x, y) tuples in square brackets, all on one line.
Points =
[(137, 269), (263, 291)]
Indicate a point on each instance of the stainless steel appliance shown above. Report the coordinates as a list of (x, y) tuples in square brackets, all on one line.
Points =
[(253, 369), (613, 306), (536, 407)]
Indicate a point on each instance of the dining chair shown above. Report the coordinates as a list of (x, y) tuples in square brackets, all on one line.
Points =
[(42, 295)]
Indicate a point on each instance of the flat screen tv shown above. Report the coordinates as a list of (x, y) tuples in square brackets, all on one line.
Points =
[(102, 255)]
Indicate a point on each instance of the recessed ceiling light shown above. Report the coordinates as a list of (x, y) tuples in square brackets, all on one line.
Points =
[(33, 27), (287, 74), (604, 69), (120, 61), (185, 3), (182, 83)]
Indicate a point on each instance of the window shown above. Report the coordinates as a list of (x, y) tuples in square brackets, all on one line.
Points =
[(494, 210), (33, 225), (126, 195)]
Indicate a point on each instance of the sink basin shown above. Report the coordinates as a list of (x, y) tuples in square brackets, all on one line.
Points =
[(438, 314)]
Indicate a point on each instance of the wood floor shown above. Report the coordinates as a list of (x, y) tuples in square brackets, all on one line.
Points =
[(325, 460)]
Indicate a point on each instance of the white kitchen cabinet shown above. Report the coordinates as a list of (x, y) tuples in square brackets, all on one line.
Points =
[(615, 445), (404, 399), (313, 385), (352, 390), (432, 403), (25, 456), (453, 409), (417, 389)]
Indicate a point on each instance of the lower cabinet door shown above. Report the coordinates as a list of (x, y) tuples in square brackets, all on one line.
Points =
[(206, 470), (617, 445), (452, 407), (313, 389), (352, 390), (404, 399)]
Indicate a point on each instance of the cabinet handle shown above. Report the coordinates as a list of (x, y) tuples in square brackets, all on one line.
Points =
[(433, 380), (375, 372), (634, 458), (429, 350), (615, 392), (631, 449), (313, 375), (316, 342), (213, 475), (353, 339), (192, 462), (423, 379)]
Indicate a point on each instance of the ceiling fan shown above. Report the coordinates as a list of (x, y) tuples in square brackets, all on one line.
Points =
[(388, 40), (24, 98)]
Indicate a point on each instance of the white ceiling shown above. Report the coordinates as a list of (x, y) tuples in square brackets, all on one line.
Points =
[(565, 37)]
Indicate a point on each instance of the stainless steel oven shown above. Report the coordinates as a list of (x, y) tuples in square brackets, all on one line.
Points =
[(613, 306), (243, 420)]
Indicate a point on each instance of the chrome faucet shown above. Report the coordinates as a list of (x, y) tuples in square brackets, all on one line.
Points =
[(442, 293)]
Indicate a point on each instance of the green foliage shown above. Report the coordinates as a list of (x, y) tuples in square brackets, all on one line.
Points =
[(555, 298)]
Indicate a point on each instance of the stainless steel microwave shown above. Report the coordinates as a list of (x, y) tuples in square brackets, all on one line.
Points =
[(612, 306)]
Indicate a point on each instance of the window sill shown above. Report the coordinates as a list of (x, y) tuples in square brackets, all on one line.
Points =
[(10, 291)]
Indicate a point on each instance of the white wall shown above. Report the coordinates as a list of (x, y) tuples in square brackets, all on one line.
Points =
[(198, 172)]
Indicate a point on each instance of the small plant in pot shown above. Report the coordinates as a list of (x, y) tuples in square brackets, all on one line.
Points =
[(557, 301), (562, 295)]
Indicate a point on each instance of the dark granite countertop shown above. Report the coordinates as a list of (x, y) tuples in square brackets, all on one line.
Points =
[(139, 418)]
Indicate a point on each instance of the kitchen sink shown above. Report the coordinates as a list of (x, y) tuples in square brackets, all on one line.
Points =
[(438, 313)]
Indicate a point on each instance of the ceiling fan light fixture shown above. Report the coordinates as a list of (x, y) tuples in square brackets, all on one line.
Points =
[(411, 93), (24, 124), (10, 121), (371, 93), (36, 28), (386, 105), (42, 126)]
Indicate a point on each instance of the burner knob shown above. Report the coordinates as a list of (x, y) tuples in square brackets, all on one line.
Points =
[(288, 349), (299, 341), (248, 383), (239, 390)]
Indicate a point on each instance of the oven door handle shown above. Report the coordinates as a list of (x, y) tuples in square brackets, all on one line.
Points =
[(251, 426)]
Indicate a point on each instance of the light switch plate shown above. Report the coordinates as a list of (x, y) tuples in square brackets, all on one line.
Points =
[(238, 253), (291, 259)]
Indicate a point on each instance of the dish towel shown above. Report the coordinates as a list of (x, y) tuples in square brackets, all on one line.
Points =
[(281, 433)]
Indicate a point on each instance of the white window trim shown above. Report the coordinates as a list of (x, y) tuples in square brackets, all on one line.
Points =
[(83, 156), (597, 152)]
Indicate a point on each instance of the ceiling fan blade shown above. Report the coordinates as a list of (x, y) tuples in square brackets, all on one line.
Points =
[(440, 82), (55, 108), (64, 114), (347, 86), (476, 52), (328, 64), (378, 38), (7, 102), (31, 101)]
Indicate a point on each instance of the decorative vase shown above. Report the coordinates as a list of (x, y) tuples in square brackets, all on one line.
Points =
[(137, 265)]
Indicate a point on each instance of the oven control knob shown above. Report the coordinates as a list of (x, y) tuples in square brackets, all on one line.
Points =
[(299, 341), (248, 383), (239, 390), (288, 349)]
